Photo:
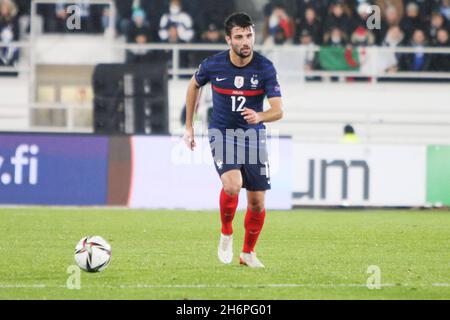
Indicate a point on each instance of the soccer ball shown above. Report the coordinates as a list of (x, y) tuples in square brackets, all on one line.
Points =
[(93, 254)]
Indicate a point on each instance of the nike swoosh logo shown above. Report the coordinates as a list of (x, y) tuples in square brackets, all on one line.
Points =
[(218, 79)]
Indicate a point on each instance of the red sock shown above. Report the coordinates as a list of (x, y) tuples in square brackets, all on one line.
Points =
[(228, 205), (253, 223)]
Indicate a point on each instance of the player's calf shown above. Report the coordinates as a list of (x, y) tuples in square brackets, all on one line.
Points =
[(253, 224), (228, 206)]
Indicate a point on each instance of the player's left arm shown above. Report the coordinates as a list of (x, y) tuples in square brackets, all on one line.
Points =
[(273, 92), (275, 112)]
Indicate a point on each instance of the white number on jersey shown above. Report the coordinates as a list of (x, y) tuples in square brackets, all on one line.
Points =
[(241, 101)]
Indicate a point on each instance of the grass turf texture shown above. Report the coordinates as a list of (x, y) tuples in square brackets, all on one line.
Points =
[(309, 254)]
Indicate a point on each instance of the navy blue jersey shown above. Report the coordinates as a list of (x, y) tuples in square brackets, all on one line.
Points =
[(235, 88)]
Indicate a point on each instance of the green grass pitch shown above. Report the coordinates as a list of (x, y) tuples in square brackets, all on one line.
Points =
[(309, 254)]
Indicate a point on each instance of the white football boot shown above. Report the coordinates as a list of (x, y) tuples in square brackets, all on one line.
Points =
[(250, 259), (225, 250)]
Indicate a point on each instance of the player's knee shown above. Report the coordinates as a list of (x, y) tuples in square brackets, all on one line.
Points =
[(256, 206), (232, 189)]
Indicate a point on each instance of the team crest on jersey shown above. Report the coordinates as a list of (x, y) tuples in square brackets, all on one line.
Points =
[(239, 82), (254, 82)]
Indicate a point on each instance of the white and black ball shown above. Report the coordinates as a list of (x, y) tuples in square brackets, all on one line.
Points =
[(93, 254)]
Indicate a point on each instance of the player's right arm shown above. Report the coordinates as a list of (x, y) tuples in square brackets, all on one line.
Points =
[(191, 100), (199, 79)]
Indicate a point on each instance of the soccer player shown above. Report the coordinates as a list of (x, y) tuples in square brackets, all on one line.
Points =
[(240, 79)]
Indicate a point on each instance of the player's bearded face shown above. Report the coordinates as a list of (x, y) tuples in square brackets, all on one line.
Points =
[(242, 41)]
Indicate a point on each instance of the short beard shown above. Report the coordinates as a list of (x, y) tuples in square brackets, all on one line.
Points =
[(243, 56)]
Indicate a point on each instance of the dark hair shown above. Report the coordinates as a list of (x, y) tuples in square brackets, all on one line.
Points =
[(349, 129), (239, 19)]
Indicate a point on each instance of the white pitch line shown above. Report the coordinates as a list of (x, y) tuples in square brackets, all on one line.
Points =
[(193, 286), (218, 286), (441, 284), (25, 286), (239, 286)]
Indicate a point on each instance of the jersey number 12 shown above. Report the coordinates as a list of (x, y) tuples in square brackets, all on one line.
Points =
[(241, 100)]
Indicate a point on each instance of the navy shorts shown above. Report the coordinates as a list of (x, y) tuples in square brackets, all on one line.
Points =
[(245, 151)]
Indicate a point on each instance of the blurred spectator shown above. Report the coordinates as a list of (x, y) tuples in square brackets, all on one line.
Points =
[(209, 13), (389, 61), (139, 32), (320, 8), (336, 37), (57, 15), (311, 61), (123, 14), (412, 21), (391, 11), (350, 136), (176, 25), (392, 16), (212, 34), (391, 19), (9, 32), (154, 9), (360, 19), (442, 38), (337, 18), (91, 16), (351, 6), (437, 22), (445, 9), (362, 37), (394, 37), (425, 6), (418, 61), (24, 7), (268, 11), (312, 24), (60, 18), (441, 62), (279, 25), (277, 36)]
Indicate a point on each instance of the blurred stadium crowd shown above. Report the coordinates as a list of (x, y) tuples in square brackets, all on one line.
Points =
[(339, 23)]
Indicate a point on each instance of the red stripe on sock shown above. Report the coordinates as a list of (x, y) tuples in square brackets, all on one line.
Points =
[(228, 205), (253, 223)]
